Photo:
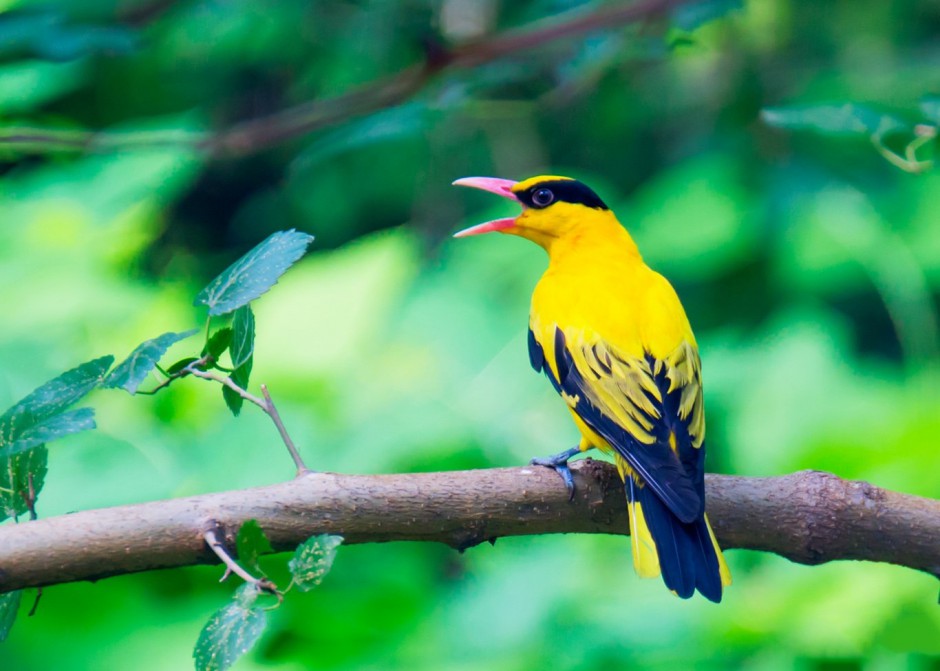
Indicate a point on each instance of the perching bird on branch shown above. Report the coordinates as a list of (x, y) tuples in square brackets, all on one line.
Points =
[(612, 337)]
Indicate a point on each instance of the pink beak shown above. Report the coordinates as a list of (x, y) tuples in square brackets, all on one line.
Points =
[(501, 187)]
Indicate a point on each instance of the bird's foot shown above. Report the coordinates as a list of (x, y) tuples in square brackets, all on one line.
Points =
[(559, 462)]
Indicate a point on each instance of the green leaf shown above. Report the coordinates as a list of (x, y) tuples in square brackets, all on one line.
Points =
[(243, 336), (239, 376), (61, 392), (255, 273), (57, 426), (233, 399), (9, 606), (218, 343), (313, 559), (34, 419), (15, 471), (130, 373), (242, 355), (251, 543), (838, 120), (180, 365), (230, 632), (930, 108)]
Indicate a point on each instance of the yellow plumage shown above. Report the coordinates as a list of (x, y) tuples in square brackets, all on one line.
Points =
[(627, 365)]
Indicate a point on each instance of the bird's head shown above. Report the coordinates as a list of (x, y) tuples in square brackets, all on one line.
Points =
[(553, 207)]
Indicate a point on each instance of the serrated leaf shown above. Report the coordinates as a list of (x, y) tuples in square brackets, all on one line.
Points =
[(313, 559), (230, 632), (930, 108), (35, 416), (57, 426), (254, 273), (243, 336), (232, 399), (15, 471), (251, 543), (130, 373), (218, 343), (845, 119), (9, 606), (239, 376), (62, 391)]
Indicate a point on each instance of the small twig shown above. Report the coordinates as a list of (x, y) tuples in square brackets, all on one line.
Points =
[(227, 381), (171, 377), (276, 418), (232, 566), (923, 137), (32, 611), (910, 164), (165, 383), (29, 497), (265, 404)]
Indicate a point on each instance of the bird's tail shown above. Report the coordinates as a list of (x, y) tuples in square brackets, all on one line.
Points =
[(687, 555)]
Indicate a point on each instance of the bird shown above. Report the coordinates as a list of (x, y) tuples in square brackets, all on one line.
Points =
[(613, 339)]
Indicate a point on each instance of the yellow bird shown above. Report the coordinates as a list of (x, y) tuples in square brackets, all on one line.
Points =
[(612, 337)]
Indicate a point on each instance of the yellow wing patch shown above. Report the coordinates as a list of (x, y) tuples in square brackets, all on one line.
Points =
[(624, 387)]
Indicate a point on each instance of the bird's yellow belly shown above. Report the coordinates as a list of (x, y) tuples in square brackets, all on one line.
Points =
[(620, 308), (559, 302)]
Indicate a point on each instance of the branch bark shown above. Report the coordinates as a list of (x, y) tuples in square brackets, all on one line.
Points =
[(257, 134), (808, 517)]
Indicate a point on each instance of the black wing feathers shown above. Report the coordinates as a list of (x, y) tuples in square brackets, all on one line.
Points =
[(536, 354), (677, 480), (672, 488)]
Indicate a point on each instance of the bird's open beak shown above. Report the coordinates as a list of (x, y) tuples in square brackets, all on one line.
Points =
[(501, 187)]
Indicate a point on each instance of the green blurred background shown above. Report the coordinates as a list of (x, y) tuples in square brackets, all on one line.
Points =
[(808, 264)]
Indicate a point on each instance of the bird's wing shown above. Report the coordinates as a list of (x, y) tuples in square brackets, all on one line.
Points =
[(649, 410)]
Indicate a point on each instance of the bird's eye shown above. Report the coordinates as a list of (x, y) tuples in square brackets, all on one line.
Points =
[(543, 197)]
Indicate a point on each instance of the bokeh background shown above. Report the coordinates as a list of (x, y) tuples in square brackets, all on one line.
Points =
[(809, 265)]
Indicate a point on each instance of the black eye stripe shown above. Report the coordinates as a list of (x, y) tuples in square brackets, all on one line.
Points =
[(564, 191)]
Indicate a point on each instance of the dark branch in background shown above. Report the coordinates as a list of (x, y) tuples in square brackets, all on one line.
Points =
[(808, 517), (139, 15), (252, 136)]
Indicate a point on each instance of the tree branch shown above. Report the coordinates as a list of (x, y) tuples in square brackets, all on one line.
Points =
[(257, 134), (808, 517)]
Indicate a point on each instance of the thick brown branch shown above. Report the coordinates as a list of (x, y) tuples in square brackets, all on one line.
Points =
[(257, 134), (808, 517)]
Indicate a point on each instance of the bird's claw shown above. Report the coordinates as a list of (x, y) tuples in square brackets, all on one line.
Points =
[(559, 462)]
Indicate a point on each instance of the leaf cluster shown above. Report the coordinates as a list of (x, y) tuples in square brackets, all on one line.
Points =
[(46, 413), (859, 120), (235, 628)]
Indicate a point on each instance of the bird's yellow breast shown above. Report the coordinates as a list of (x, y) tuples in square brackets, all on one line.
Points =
[(601, 291), (598, 285)]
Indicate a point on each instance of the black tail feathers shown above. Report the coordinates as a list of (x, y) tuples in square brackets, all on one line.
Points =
[(687, 557)]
